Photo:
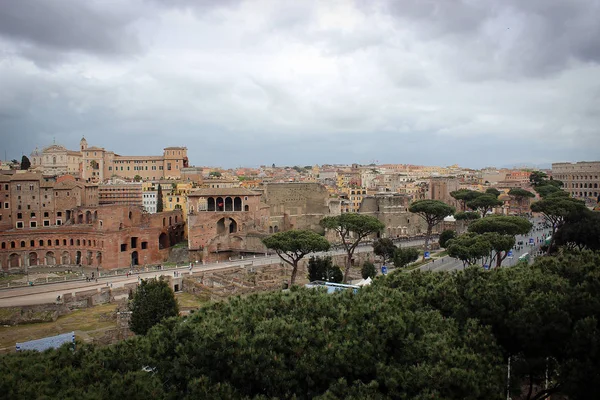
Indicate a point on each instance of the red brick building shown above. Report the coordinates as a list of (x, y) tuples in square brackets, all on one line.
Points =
[(106, 237), (225, 220)]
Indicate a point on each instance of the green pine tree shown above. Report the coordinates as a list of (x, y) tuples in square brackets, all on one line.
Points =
[(159, 200)]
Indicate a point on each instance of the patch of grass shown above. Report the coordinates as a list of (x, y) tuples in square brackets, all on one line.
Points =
[(85, 322), (441, 254), (188, 300), (10, 278)]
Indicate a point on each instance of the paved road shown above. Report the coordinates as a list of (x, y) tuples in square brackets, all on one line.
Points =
[(451, 264), (45, 293)]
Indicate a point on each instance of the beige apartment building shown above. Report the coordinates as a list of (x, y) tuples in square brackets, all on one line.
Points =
[(96, 164), (581, 179)]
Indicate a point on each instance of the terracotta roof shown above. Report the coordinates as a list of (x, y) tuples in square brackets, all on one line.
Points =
[(234, 191), (27, 176)]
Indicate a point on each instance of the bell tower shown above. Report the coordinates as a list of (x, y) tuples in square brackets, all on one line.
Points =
[(83, 144)]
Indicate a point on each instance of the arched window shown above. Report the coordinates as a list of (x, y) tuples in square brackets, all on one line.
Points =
[(237, 204), (78, 242), (22, 243), (246, 208), (210, 204)]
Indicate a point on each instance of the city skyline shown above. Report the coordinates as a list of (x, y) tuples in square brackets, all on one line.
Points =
[(250, 83)]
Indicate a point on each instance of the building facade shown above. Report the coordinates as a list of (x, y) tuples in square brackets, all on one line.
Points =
[(122, 193), (581, 179), (225, 220), (31, 201), (105, 237), (96, 164)]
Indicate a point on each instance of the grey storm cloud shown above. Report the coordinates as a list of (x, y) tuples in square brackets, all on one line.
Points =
[(521, 37), (248, 82), (50, 28)]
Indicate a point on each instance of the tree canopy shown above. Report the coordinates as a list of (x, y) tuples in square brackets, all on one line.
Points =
[(556, 209), (359, 225), (322, 269), (466, 216), (502, 224), (484, 204), (493, 191), (159, 200), (385, 248), (445, 236), (25, 163), (152, 302), (292, 246), (433, 212), (469, 248), (407, 336), (464, 196), (404, 256)]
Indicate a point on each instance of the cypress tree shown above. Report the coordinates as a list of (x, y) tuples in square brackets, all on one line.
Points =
[(159, 200)]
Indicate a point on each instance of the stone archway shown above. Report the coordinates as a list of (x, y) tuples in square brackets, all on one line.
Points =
[(163, 241), (33, 259), (78, 257), (50, 259), (14, 260), (233, 226), (134, 259), (99, 258), (65, 258), (88, 217)]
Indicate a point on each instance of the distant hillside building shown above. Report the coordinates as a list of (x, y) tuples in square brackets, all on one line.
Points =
[(95, 164)]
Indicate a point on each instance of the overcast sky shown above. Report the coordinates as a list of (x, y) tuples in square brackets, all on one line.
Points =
[(245, 83)]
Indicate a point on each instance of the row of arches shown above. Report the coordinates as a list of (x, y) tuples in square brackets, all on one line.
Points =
[(273, 229), (584, 186), (586, 194), (87, 218), (226, 204), (50, 258), (49, 243), (170, 220)]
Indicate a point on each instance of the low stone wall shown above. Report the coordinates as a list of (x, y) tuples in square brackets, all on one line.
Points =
[(32, 314)]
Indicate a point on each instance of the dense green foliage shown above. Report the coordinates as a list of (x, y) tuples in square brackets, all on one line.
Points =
[(152, 302), (408, 336), (493, 191), (322, 269), (385, 248), (159, 199), (484, 204), (360, 226), (292, 246), (404, 256), (445, 236), (463, 196), (25, 163), (368, 270)]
